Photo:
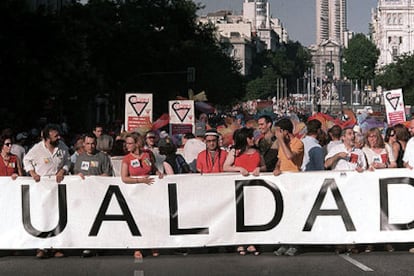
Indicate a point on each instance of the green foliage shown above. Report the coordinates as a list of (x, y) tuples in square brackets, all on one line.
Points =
[(54, 62), (290, 61), (360, 58), (399, 75)]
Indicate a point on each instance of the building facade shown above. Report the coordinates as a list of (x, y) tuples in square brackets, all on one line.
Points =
[(331, 37), (331, 21), (249, 33), (392, 29)]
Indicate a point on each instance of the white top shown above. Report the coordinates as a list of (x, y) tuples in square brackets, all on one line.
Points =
[(46, 163), (332, 144), (409, 152), (309, 142), (191, 150), (385, 155), (349, 163)]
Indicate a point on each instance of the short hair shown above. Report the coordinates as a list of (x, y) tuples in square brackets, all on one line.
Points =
[(345, 129), (313, 126), (90, 135), (266, 118), (189, 135), (335, 131), (48, 128), (285, 124)]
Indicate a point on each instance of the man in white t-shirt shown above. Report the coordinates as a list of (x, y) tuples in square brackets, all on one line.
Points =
[(346, 156), (194, 146)]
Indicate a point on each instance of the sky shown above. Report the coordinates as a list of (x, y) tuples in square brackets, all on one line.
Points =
[(298, 16)]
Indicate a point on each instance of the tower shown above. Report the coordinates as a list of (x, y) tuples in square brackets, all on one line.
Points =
[(331, 21)]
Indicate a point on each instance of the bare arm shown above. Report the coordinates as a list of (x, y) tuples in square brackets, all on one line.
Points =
[(127, 179)]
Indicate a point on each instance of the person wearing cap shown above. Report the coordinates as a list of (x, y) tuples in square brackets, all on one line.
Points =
[(211, 160), (194, 146)]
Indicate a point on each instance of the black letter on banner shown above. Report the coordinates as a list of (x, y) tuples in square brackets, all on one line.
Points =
[(341, 211), (240, 226), (173, 201), (126, 213), (63, 213), (385, 225)]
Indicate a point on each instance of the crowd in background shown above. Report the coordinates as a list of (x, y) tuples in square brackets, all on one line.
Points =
[(230, 143)]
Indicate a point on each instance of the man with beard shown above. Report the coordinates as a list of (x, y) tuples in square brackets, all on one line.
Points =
[(49, 157), (290, 157)]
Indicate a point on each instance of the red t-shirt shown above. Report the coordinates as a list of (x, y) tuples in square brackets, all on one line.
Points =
[(205, 164), (248, 161), (139, 167), (9, 167)]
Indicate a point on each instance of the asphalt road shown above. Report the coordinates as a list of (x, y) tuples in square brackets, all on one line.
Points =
[(322, 262)]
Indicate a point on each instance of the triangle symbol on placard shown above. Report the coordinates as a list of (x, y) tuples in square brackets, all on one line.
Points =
[(393, 100), (181, 112), (138, 107)]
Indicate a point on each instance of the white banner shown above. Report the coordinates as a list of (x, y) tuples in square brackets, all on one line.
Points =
[(208, 210), (138, 111), (394, 106)]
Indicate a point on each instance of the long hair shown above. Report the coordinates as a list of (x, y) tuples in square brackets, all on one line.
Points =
[(380, 141), (402, 132), (240, 138)]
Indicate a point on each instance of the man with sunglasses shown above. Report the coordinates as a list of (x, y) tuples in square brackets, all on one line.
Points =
[(211, 159)]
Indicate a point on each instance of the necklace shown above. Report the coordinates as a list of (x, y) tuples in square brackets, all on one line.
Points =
[(6, 157)]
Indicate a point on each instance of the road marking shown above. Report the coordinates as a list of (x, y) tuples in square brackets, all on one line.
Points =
[(138, 272), (356, 263)]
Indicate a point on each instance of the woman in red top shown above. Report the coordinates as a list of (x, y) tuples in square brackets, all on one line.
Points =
[(139, 162), (246, 159), (137, 166), (10, 164)]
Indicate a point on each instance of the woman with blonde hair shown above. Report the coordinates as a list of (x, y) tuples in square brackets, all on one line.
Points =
[(378, 153), (136, 168)]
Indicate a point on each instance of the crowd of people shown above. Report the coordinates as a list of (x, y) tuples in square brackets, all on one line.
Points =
[(249, 148)]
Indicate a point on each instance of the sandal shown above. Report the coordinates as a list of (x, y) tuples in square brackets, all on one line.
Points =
[(155, 252), (252, 250), (241, 251), (59, 254), (41, 254), (138, 255)]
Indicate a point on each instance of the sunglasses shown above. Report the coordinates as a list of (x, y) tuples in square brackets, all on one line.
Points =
[(8, 144)]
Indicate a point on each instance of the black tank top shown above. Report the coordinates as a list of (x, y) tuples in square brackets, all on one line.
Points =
[(400, 163)]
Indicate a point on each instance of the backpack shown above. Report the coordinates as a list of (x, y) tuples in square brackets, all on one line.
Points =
[(182, 166)]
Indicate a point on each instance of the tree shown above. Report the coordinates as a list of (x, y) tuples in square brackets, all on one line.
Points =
[(55, 61), (290, 61), (399, 75), (360, 58)]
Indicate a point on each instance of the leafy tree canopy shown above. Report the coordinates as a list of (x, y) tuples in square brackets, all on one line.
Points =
[(360, 58)]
